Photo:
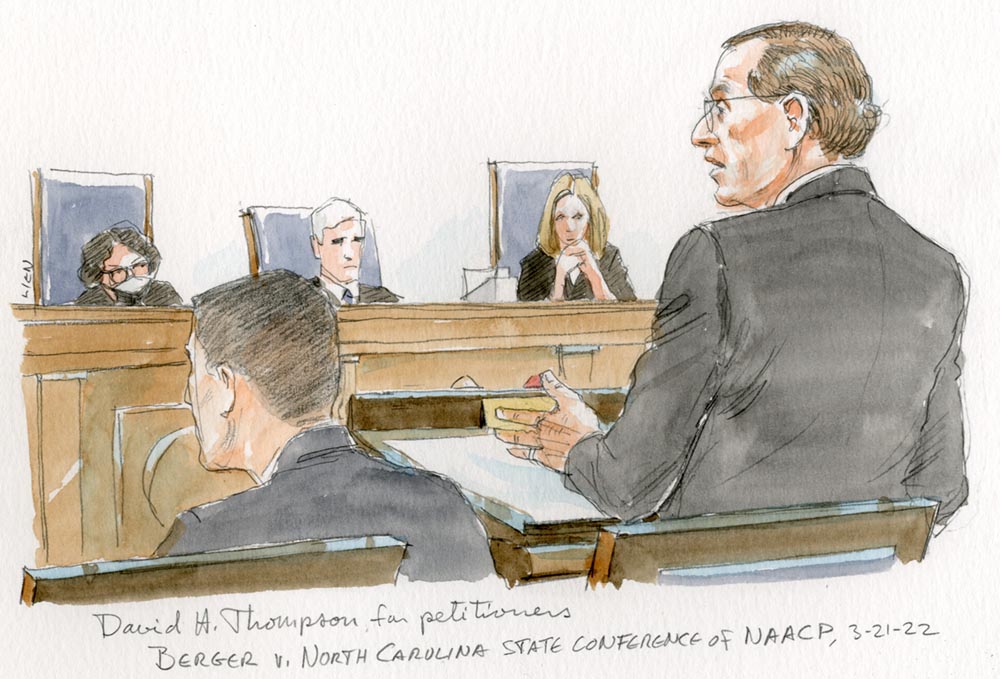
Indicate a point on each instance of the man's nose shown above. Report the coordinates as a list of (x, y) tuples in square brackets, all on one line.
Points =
[(701, 135), (187, 394)]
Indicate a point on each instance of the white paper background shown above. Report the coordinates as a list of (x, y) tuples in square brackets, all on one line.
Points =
[(399, 106)]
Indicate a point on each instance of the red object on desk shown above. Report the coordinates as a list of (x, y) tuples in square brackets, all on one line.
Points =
[(534, 382)]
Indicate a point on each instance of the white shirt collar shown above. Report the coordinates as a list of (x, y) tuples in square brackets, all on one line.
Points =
[(806, 178), (269, 470), (339, 290)]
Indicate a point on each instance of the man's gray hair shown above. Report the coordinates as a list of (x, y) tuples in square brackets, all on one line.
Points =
[(333, 212), (278, 331)]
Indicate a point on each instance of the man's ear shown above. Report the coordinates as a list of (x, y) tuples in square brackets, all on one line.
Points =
[(315, 246), (797, 115), (227, 389)]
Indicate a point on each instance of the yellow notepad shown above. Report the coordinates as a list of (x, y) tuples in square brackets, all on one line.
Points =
[(541, 404)]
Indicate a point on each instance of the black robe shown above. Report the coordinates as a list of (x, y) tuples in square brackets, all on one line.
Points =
[(538, 274)]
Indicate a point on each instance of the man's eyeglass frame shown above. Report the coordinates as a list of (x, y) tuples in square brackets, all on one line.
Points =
[(708, 113)]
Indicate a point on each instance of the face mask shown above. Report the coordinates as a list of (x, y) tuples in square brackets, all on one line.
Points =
[(134, 285)]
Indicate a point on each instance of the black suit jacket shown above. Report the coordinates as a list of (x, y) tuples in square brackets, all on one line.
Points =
[(808, 352), (325, 487), (156, 293), (368, 294)]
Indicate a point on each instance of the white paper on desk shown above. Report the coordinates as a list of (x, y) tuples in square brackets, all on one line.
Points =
[(483, 468)]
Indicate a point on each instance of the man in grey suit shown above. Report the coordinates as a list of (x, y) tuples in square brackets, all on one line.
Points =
[(264, 376), (339, 229), (807, 350)]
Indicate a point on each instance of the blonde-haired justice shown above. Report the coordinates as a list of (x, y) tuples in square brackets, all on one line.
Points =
[(597, 228)]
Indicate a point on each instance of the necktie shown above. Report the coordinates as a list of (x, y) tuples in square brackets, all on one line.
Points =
[(348, 297)]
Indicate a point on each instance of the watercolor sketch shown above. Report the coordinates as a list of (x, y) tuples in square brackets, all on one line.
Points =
[(789, 404)]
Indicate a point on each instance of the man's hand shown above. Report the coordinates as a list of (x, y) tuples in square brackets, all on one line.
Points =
[(554, 433)]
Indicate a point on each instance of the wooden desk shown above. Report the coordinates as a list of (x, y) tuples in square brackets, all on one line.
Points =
[(87, 369), (405, 347), (80, 365), (524, 548)]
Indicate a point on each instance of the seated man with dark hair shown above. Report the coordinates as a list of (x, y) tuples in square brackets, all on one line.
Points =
[(264, 376)]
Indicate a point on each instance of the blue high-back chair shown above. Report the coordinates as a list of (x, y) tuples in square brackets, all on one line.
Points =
[(279, 238), (517, 198), (69, 209)]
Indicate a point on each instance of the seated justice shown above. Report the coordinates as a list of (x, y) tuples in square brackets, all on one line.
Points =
[(338, 236), (573, 259), (118, 267)]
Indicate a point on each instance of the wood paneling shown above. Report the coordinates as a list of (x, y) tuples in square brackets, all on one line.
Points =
[(46, 339), (402, 328), (61, 479), (104, 392), (609, 366), (413, 348), (84, 364), (31, 389), (160, 477), (81, 364)]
